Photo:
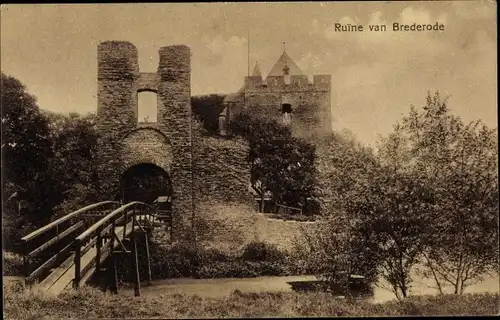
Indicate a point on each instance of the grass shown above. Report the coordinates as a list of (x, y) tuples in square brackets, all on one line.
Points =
[(26, 303), (12, 263)]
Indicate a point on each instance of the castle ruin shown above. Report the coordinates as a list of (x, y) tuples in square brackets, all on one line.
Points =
[(197, 167), (287, 95)]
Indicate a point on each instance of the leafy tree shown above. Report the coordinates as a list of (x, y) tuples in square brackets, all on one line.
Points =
[(48, 161), (74, 141), (456, 164), (342, 164), (375, 227), (428, 197), (281, 164), (206, 108), (26, 152), (459, 162)]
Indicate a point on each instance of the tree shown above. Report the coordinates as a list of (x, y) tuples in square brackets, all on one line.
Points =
[(26, 152), (206, 109), (342, 164), (460, 163), (281, 164), (456, 164), (74, 141), (428, 197), (48, 161)]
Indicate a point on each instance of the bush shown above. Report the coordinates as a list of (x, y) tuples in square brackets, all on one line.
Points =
[(182, 259), (242, 269), (186, 259), (261, 251), (12, 264), (230, 269)]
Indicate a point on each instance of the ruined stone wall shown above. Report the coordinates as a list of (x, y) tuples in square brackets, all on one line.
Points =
[(311, 103), (119, 81), (117, 70), (231, 226), (146, 145), (174, 118), (221, 169)]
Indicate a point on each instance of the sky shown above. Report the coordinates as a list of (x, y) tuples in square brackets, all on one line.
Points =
[(376, 76)]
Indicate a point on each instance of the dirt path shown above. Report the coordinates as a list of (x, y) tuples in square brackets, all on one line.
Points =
[(224, 287), (220, 287)]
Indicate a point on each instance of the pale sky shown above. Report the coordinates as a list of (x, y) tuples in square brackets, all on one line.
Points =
[(52, 49)]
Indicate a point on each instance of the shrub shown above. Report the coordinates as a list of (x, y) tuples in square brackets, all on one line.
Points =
[(182, 259), (261, 251), (186, 259), (12, 264), (242, 269), (230, 269)]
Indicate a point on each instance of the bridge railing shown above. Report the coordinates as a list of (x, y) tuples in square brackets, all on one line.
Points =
[(48, 246), (106, 234)]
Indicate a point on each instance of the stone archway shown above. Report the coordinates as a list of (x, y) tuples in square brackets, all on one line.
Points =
[(146, 145), (145, 182)]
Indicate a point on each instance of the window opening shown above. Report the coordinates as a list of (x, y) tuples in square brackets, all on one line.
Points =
[(147, 107)]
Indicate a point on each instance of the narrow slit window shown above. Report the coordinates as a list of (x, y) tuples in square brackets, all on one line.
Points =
[(147, 107), (286, 111)]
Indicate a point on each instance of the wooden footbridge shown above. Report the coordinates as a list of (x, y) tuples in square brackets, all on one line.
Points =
[(70, 250)]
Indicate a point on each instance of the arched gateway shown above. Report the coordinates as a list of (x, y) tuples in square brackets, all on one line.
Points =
[(129, 148)]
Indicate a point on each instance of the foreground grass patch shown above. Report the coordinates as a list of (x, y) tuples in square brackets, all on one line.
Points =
[(23, 303)]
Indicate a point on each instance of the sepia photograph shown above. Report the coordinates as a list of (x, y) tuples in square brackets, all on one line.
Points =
[(249, 160)]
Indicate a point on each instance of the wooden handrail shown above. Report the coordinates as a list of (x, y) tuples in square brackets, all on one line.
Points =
[(109, 218), (64, 218), (100, 230)]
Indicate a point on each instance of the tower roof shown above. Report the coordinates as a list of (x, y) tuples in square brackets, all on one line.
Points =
[(256, 71), (285, 61)]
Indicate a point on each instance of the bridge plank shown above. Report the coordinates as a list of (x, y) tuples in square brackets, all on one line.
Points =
[(67, 272), (57, 273), (63, 275), (49, 263)]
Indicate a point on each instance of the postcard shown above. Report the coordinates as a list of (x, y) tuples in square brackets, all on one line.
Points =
[(225, 160)]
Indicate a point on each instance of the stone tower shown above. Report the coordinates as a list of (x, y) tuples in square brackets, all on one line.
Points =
[(125, 142), (287, 95)]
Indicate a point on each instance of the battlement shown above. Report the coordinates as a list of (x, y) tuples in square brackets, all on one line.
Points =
[(296, 82), (117, 60), (120, 81)]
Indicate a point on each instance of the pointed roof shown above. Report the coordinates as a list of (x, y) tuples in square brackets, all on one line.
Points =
[(256, 71), (285, 61)]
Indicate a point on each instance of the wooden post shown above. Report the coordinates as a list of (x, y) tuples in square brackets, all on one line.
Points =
[(147, 257), (137, 280), (112, 235), (133, 219), (26, 266), (125, 224), (98, 253), (113, 274), (78, 277)]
